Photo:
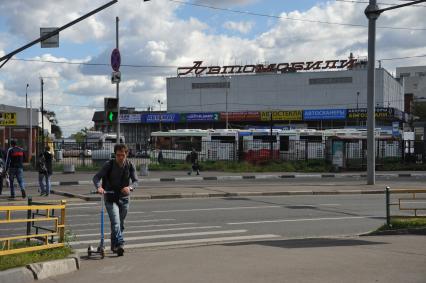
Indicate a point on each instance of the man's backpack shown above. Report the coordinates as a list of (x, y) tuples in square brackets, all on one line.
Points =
[(2, 168), (42, 168)]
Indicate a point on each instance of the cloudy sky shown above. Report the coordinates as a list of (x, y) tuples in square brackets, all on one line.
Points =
[(158, 36)]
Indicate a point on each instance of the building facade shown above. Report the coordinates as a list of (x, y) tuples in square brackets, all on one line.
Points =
[(15, 124)]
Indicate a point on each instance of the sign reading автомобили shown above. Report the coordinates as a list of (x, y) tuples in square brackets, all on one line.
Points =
[(324, 114)]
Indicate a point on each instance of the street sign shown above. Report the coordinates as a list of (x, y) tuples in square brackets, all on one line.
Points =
[(115, 77), (115, 60), (51, 42)]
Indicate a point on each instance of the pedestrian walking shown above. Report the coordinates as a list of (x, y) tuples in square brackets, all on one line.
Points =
[(193, 158), (116, 179), (44, 167), (2, 169), (14, 166)]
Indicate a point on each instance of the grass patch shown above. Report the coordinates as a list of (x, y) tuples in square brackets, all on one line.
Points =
[(404, 223), (22, 259), (234, 166)]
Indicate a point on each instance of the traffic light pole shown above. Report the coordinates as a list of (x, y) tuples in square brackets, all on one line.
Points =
[(118, 84)]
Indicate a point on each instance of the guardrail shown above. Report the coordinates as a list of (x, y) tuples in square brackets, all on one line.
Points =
[(58, 231), (401, 202)]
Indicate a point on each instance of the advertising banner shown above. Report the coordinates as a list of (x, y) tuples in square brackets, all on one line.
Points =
[(381, 113), (164, 118), (324, 114), (202, 117), (240, 116), (293, 115), (130, 118), (7, 119)]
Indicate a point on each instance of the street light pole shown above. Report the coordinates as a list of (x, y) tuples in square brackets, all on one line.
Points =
[(42, 114), (227, 84), (160, 102), (373, 12), (118, 85)]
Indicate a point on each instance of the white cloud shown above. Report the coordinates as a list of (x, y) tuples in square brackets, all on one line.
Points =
[(167, 40), (242, 27)]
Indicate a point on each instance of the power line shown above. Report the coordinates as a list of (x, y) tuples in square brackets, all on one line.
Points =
[(91, 64), (384, 4), (289, 18)]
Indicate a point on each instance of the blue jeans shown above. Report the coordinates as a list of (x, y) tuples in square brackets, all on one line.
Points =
[(19, 173), (117, 213), (44, 186)]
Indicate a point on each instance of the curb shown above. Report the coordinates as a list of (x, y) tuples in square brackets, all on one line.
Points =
[(406, 231), (245, 177), (224, 194), (41, 270)]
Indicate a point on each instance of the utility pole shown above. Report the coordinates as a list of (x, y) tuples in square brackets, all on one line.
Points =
[(42, 114), (373, 12), (118, 84)]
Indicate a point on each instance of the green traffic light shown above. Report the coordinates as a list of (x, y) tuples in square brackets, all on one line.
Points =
[(111, 116)]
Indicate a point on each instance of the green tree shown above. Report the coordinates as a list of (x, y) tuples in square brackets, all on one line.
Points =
[(56, 129)]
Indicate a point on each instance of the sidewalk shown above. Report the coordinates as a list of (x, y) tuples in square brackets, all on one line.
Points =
[(389, 259)]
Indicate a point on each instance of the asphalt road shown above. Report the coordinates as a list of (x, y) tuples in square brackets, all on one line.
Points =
[(191, 221)]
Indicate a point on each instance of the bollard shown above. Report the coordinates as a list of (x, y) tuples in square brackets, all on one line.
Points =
[(388, 207), (30, 201), (144, 170)]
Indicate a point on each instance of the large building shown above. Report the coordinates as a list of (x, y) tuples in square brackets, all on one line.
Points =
[(414, 82), (320, 95)]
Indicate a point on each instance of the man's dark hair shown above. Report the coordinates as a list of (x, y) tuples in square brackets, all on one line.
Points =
[(12, 142), (47, 148), (121, 146)]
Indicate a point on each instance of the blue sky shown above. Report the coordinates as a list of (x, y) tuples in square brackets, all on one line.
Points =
[(168, 33)]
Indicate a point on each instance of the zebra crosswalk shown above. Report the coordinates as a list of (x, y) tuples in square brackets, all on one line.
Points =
[(146, 229)]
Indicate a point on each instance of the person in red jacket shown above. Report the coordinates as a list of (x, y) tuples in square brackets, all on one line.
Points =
[(14, 164)]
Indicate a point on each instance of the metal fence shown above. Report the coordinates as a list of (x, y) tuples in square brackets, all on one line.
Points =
[(92, 155)]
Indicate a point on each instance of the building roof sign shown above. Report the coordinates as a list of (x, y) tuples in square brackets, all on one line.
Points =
[(197, 69)]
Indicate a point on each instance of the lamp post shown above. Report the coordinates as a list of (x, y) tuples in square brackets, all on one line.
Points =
[(373, 12), (29, 128), (42, 114), (160, 103), (357, 98)]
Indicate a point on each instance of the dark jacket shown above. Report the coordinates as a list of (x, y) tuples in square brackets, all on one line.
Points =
[(193, 156), (15, 157), (114, 178), (46, 158)]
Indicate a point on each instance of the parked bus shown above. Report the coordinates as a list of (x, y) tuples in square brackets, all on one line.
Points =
[(211, 144)]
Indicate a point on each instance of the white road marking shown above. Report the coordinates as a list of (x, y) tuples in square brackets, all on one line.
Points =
[(98, 214), (166, 236), (218, 208), (127, 221), (155, 230), (140, 226), (297, 220), (195, 242)]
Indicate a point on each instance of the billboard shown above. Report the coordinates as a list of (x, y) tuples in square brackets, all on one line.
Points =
[(240, 116), (130, 118), (324, 114), (381, 113), (293, 115), (163, 118), (202, 117), (7, 119)]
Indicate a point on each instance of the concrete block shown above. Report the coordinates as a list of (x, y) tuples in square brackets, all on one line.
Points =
[(15, 275), (52, 268)]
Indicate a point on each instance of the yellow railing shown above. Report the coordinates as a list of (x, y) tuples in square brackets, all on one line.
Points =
[(6, 247)]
